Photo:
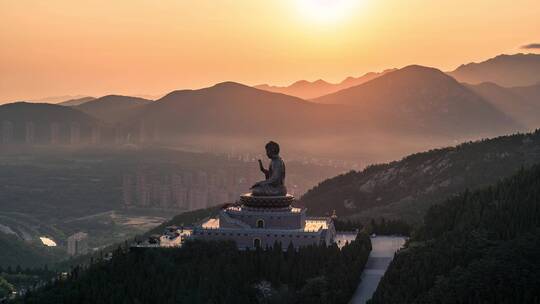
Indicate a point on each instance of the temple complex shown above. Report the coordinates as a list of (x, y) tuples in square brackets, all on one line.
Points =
[(266, 216)]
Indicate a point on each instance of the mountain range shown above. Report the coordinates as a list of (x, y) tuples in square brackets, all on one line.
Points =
[(308, 90), (425, 100), (233, 109), (504, 70), (420, 102), (426, 108)]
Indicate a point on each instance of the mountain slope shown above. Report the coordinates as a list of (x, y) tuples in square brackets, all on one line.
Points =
[(519, 103), (531, 94), (478, 247), (308, 90), (504, 70), (26, 254), (235, 109), (113, 108), (424, 100), (407, 188), (41, 112)]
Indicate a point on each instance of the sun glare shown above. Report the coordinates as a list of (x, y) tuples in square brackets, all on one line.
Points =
[(326, 10)]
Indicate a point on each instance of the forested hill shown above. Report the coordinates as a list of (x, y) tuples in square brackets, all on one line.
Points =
[(14, 251), (407, 188), (215, 272), (478, 247)]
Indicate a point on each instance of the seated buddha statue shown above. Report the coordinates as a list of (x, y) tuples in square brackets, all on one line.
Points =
[(274, 183)]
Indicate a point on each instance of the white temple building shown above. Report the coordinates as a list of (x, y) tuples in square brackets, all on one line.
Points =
[(264, 220)]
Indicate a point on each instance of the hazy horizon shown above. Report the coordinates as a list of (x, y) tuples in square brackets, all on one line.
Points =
[(143, 48)]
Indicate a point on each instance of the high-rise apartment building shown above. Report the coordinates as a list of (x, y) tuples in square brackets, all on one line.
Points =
[(77, 244)]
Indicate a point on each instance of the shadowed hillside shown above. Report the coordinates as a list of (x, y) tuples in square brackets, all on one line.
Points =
[(529, 93), (478, 247), (26, 254), (407, 188), (42, 112), (234, 109), (522, 104)]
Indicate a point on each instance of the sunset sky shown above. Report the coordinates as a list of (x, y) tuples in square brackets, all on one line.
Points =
[(137, 47)]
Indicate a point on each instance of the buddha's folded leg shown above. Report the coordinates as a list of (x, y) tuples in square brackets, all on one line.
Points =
[(268, 190), (259, 191)]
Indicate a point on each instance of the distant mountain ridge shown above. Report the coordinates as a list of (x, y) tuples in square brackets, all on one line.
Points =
[(424, 99), (231, 108), (504, 70), (418, 100), (76, 101), (397, 112), (58, 99), (308, 90), (113, 108)]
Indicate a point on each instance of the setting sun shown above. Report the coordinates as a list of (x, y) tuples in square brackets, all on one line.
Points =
[(326, 10)]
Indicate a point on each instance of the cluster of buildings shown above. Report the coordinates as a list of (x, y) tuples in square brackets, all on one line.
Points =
[(72, 133), (185, 190), (55, 133), (190, 189), (173, 236)]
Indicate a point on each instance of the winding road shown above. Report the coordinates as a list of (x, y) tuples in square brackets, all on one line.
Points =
[(384, 248)]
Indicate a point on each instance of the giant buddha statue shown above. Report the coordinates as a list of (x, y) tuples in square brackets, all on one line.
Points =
[(274, 183)]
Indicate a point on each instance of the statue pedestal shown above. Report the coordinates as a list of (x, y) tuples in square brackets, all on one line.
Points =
[(250, 200), (264, 221)]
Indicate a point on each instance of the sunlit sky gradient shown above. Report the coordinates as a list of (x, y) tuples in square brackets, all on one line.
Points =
[(98, 47)]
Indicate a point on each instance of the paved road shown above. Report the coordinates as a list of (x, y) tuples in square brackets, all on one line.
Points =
[(380, 257)]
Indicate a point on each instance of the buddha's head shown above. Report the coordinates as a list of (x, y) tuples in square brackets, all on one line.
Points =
[(272, 149)]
